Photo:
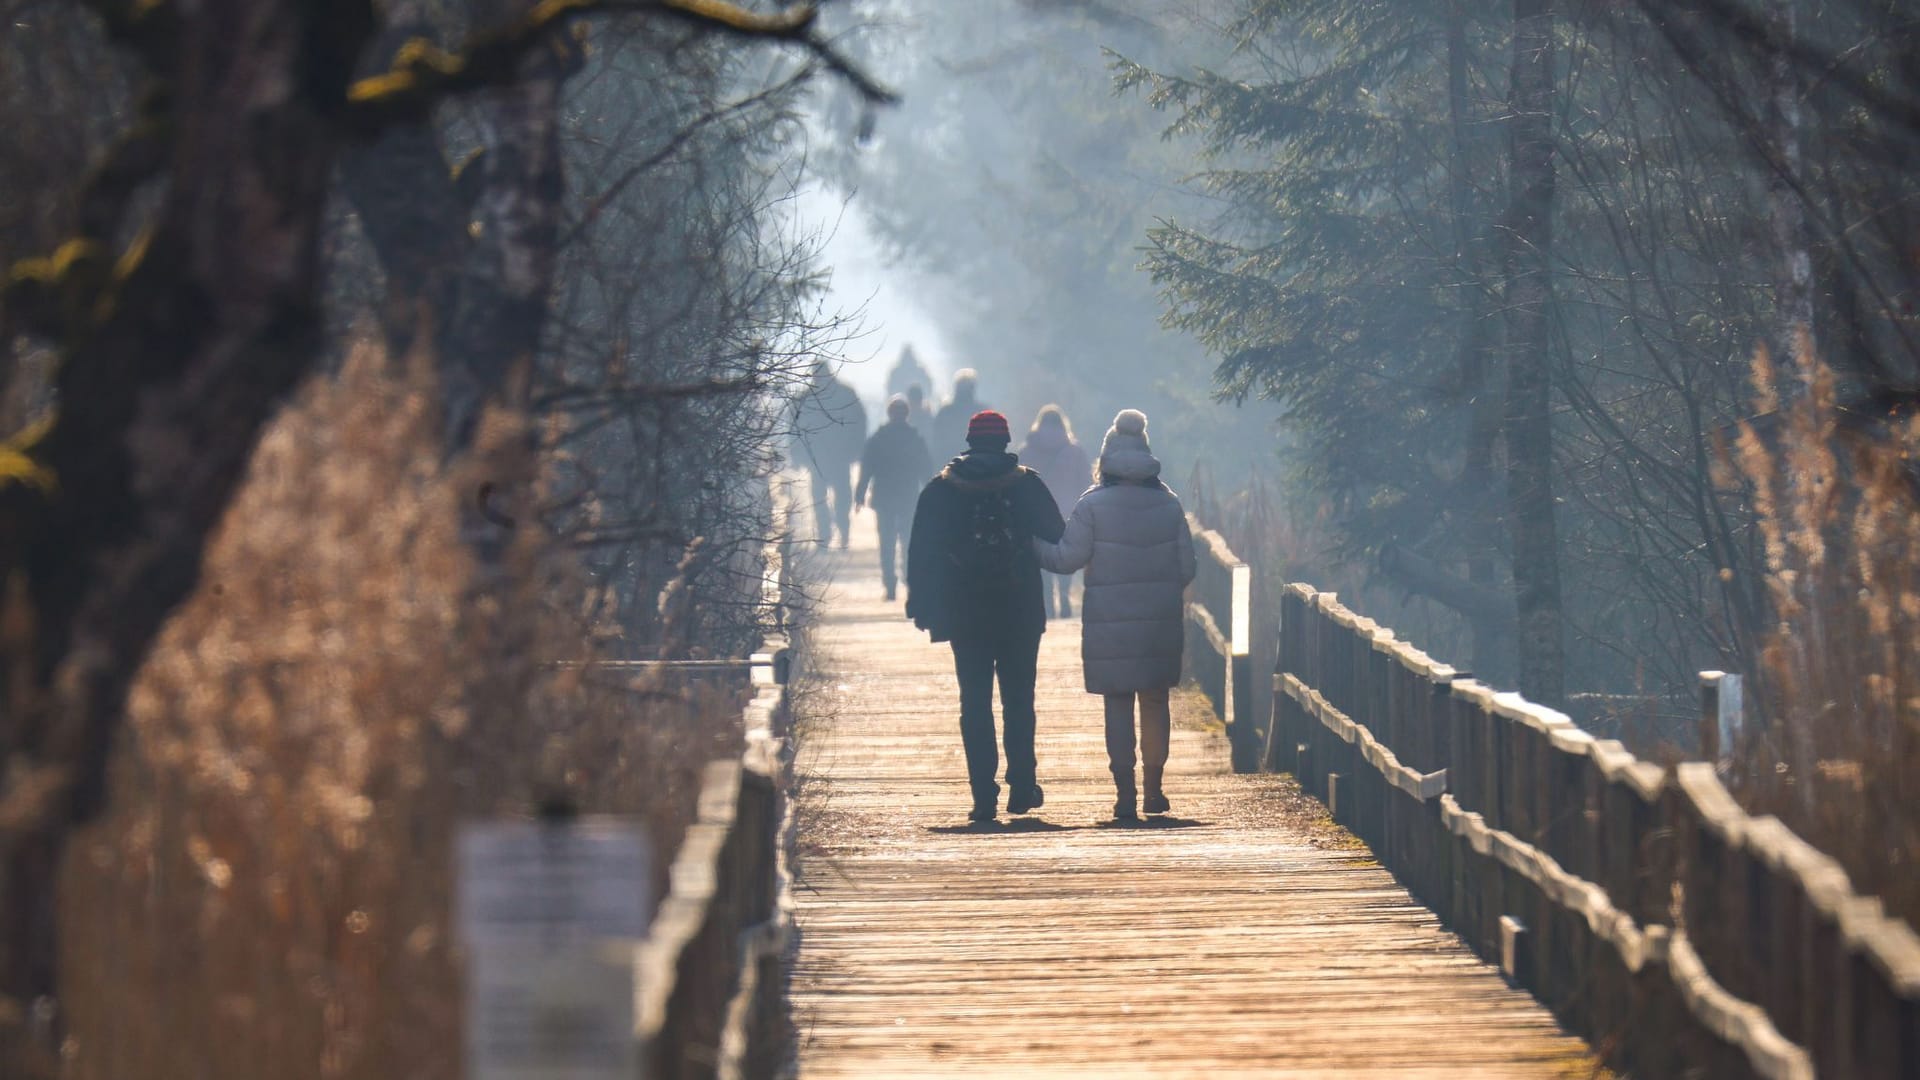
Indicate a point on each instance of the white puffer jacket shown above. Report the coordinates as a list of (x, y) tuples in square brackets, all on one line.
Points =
[(1131, 535)]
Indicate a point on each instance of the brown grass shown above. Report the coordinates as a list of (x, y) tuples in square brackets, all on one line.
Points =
[(1835, 750), (269, 893)]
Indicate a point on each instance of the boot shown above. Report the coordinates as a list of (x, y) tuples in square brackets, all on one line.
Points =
[(1123, 801), (1156, 800), (1022, 800)]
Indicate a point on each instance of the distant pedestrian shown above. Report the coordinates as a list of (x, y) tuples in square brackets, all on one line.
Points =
[(1052, 452), (920, 413), (973, 580), (1131, 534), (950, 423), (829, 431), (907, 371), (893, 468)]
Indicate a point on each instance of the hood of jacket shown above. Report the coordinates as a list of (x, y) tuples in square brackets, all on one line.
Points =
[(982, 470)]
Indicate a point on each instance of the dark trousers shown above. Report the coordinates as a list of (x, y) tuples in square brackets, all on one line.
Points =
[(1017, 662), (839, 481), (894, 524)]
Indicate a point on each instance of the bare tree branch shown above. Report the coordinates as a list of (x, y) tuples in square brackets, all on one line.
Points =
[(423, 74)]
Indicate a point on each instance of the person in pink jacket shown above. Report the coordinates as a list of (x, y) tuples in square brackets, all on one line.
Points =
[(1052, 452), (1130, 533)]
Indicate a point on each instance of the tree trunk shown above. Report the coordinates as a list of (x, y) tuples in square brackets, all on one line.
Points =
[(1474, 357), (1786, 206), (494, 329), (469, 253), (414, 214), (162, 393), (1529, 419)]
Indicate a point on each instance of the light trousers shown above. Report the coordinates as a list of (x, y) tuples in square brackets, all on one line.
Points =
[(1156, 731)]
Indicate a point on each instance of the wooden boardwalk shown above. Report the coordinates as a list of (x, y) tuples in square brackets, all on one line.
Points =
[(1244, 935)]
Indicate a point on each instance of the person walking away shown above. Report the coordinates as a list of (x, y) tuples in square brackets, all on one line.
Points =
[(973, 580), (1130, 533), (950, 423), (829, 432), (1051, 451), (920, 413), (893, 468), (907, 371)]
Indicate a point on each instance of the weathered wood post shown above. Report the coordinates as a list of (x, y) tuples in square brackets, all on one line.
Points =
[(1722, 705), (1284, 734)]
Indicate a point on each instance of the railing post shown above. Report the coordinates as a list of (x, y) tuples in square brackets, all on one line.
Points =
[(1722, 705), (1239, 688)]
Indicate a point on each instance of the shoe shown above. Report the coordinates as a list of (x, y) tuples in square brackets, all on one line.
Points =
[(1123, 791), (982, 812), (1156, 800), (1021, 801)]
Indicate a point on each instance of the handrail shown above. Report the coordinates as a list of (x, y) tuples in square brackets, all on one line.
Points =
[(1642, 904), (712, 971)]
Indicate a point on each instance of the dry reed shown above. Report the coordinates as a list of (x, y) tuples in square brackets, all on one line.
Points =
[(1835, 748), (269, 893)]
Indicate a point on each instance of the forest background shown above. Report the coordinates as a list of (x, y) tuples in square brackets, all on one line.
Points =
[(366, 365)]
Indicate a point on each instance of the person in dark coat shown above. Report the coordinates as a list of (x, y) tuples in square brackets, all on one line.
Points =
[(893, 468), (1052, 452), (829, 432), (950, 423), (973, 579)]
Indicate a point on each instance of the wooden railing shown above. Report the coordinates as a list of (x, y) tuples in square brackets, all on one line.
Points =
[(1653, 915), (712, 973), (1218, 655)]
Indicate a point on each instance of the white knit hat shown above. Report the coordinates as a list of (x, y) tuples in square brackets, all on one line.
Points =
[(1124, 452)]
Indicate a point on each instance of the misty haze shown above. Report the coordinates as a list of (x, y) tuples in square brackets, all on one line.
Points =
[(930, 538)]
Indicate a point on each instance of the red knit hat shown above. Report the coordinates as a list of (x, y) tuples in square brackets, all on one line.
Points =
[(987, 424)]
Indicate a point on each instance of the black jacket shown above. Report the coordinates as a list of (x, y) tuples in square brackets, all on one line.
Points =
[(895, 465), (942, 598)]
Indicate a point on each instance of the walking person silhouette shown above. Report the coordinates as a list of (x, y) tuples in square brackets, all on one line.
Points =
[(1130, 533), (973, 580), (893, 468), (1052, 452), (829, 431)]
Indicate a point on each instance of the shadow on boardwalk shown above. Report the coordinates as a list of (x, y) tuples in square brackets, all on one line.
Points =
[(1243, 935), (1033, 825)]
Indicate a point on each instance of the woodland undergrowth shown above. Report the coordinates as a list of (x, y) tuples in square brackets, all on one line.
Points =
[(269, 894), (1832, 745)]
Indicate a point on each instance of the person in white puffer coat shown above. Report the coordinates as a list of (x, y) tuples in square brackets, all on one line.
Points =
[(1130, 533)]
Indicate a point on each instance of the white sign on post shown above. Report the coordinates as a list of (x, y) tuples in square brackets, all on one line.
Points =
[(1732, 702), (553, 883), (551, 1014), (550, 914)]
